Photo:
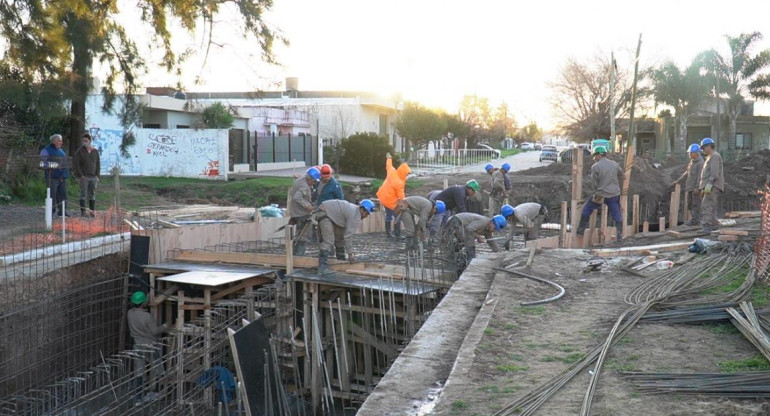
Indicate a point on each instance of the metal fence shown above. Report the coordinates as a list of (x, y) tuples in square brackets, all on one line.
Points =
[(274, 148), (450, 159)]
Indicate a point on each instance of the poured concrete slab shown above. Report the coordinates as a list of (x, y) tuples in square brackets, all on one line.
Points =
[(428, 359)]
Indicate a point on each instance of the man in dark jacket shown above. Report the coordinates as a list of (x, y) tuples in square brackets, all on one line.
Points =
[(691, 177), (56, 165), (454, 198), (328, 188), (86, 166)]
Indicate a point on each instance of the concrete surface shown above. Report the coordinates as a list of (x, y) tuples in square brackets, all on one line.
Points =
[(427, 361)]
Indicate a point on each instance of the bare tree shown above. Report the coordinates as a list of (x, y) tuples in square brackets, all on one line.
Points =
[(338, 122)]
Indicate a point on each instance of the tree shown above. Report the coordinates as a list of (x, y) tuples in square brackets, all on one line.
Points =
[(364, 154), (58, 40), (531, 133), (739, 74), (501, 124), (420, 125), (217, 116), (682, 90), (475, 113), (581, 97)]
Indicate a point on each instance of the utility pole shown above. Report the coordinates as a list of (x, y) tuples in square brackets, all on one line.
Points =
[(613, 67), (719, 117), (631, 127)]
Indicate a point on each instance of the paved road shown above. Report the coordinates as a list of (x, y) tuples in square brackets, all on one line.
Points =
[(520, 161)]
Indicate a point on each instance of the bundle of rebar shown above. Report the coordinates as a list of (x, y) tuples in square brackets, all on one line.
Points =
[(733, 385)]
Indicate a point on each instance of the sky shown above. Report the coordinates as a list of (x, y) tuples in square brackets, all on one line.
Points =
[(434, 52)]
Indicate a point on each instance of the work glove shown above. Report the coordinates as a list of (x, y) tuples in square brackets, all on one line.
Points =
[(388, 156), (707, 189)]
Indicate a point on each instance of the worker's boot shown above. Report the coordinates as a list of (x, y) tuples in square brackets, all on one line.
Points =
[(411, 243), (323, 259), (83, 208), (340, 253), (619, 238), (397, 230), (92, 206), (387, 229), (299, 248), (582, 226)]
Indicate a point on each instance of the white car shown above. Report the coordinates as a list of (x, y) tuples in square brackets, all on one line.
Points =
[(527, 146), (493, 153)]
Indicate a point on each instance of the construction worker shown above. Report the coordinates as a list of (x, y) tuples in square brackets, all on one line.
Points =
[(497, 194), (391, 191), (531, 215), (328, 187), (423, 209), (691, 178), (146, 333), (454, 197), (467, 228), (711, 185), (606, 176), (337, 222), (300, 208)]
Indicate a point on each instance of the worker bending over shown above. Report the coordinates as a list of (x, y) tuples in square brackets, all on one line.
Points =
[(497, 194), (711, 185), (391, 191), (300, 208), (691, 177), (467, 228), (606, 175), (454, 197), (337, 222), (530, 215), (415, 212)]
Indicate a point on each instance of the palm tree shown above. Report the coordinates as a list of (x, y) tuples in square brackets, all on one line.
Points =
[(682, 90), (740, 74)]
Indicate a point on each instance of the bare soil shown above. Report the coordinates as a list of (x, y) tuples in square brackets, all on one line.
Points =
[(525, 346)]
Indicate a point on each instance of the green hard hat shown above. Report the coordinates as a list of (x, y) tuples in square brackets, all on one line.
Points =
[(138, 298), (600, 150), (473, 185)]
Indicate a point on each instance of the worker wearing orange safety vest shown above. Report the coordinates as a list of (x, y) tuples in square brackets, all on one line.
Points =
[(392, 191)]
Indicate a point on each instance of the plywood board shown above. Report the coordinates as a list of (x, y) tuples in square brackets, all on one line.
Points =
[(202, 278), (638, 250), (547, 242)]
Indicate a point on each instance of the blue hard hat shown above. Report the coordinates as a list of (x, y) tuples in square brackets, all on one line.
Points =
[(314, 173), (694, 148), (499, 221), (368, 205), (440, 207), (707, 141), (506, 167), (506, 210), (488, 167)]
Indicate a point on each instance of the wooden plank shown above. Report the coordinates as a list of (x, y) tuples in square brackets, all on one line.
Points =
[(635, 215), (574, 220), (604, 238), (547, 242), (158, 299), (727, 237), (624, 189), (563, 223), (639, 250), (743, 214), (662, 224), (168, 224), (675, 234), (588, 236), (686, 207), (371, 340), (646, 227), (532, 252), (272, 260), (673, 213), (577, 193), (255, 281), (130, 224), (733, 232)]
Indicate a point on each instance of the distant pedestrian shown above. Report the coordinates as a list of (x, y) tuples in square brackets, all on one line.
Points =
[(606, 176), (392, 190), (712, 184), (300, 208), (56, 177), (691, 179), (86, 167)]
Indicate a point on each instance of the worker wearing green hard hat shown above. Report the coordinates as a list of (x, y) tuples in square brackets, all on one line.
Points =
[(146, 333), (138, 298), (606, 175)]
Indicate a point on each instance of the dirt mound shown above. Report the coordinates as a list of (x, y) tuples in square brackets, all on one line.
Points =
[(745, 176), (550, 169)]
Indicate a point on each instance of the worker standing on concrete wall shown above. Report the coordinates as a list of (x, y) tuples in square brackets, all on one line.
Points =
[(415, 212), (530, 215), (454, 197), (606, 176), (146, 333), (337, 222), (300, 208), (328, 188), (391, 191), (490, 169), (691, 178), (466, 228), (497, 194), (86, 166), (712, 184)]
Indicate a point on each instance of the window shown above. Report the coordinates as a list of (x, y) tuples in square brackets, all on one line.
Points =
[(743, 140), (182, 126), (151, 126), (384, 124)]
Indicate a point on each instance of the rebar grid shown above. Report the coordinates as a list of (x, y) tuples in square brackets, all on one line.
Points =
[(112, 385), (762, 248)]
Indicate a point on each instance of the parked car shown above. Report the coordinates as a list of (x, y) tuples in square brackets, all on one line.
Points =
[(549, 153), (527, 146), (493, 153), (538, 146), (565, 156)]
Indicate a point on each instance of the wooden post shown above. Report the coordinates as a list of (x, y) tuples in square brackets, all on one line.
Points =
[(624, 190), (123, 314), (446, 183), (588, 236), (563, 224), (289, 248), (315, 371), (635, 215), (180, 341), (577, 192), (646, 227), (116, 183), (686, 207), (673, 213), (604, 238), (662, 224)]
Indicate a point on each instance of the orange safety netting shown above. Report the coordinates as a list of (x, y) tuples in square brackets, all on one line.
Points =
[(762, 248), (76, 229)]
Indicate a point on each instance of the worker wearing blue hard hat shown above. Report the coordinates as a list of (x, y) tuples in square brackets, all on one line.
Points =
[(530, 215), (337, 221), (301, 206), (711, 185), (691, 179), (467, 228), (416, 212), (497, 192)]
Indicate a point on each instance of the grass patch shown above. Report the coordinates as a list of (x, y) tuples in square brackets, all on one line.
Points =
[(489, 331), (756, 363), (533, 310), (722, 329), (567, 359), (459, 405), (567, 348), (733, 281), (511, 368), (624, 341), (618, 365), (517, 357), (410, 184), (509, 152)]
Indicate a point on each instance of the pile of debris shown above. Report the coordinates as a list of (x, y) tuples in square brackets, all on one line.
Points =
[(745, 176)]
